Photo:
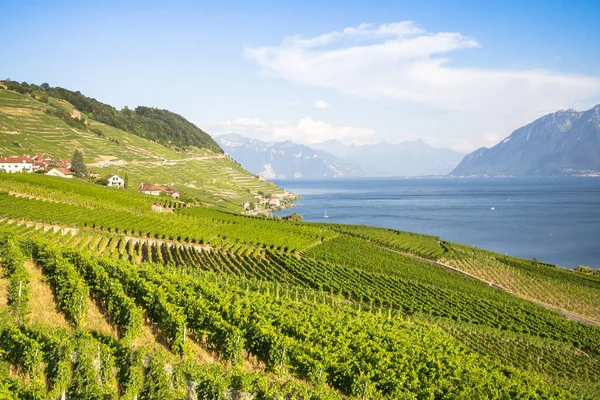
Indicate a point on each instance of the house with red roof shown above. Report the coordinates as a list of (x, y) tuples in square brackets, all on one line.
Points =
[(12, 164)]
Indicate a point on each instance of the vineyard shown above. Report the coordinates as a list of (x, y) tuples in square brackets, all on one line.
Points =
[(211, 305)]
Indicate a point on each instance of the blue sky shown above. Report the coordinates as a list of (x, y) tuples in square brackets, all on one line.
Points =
[(456, 74)]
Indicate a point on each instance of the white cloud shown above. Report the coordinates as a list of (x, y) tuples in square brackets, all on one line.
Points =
[(306, 130), (464, 146), (403, 61), (320, 104), (491, 139)]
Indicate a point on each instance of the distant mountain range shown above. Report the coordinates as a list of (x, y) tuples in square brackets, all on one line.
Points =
[(333, 159), (562, 143), (286, 160), (414, 158)]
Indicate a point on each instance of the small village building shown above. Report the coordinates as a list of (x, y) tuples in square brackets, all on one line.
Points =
[(246, 205), (115, 181), (149, 188), (14, 164), (175, 193), (61, 173), (94, 175), (273, 202), (160, 208)]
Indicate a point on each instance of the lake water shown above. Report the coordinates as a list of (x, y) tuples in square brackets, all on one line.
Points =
[(556, 220)]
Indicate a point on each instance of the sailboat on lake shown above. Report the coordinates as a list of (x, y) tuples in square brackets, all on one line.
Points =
[(325, 215)]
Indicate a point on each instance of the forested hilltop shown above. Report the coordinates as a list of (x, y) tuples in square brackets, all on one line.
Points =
[(101, 298), (161, 126)]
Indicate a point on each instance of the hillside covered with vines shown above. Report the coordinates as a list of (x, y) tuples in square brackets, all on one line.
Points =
[(101, 298)]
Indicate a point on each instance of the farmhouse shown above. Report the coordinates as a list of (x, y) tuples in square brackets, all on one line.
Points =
[(94, 175), (155, 190), (175, 193), (149, 188), (13, 164), (61, 172), (115, 181)]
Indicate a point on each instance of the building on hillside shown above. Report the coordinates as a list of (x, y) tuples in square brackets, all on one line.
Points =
[(61, 172), (175, 193), (149, 188), (94, 174), (160, 208), (156, 190), (246, 205), (115, 181), (13, 164), (273, 202)]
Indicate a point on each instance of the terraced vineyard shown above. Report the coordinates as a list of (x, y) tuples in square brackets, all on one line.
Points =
[(201, 303), (575, 293), (27, 127)]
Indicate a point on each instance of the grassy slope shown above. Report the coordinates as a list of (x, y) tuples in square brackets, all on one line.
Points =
[(213, 177)]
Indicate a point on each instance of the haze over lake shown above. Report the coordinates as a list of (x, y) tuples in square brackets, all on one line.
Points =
[(556, 220)]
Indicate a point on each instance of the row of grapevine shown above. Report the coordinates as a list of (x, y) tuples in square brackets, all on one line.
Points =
[(56, 363), (13, 261), (179, 227), (121, 309), (538, 281), (497, 309), (279, 334), (69, 287), (426, 289), (425, 246)]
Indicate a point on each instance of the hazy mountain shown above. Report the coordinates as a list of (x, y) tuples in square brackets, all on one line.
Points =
[(565, 142), (414, 158), (286, 159)]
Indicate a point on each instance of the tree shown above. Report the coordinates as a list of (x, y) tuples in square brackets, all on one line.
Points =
[(293, 217), (44, 86), (78, 165), (583, 269)]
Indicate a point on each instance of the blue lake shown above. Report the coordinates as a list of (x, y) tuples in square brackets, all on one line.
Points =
[(556, 220)]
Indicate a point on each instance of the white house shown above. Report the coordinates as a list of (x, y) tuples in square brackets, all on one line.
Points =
[(149, 188), (175, 193), (61, 172), (274, 202), (13, 164), (115, 181)]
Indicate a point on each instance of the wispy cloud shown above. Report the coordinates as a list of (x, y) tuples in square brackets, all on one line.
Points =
[(403, 61), (306, 130), (320, 104)]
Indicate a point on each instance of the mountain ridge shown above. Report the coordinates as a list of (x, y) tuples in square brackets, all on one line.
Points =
[(286, 159), (334, 159), (566, 142)]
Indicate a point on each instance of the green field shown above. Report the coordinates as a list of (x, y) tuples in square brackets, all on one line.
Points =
[(25, 127), (116, 302)]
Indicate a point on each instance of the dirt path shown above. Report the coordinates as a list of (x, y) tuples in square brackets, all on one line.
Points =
[(567, 314), (41, 304), (96, 320), (4, 283)]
